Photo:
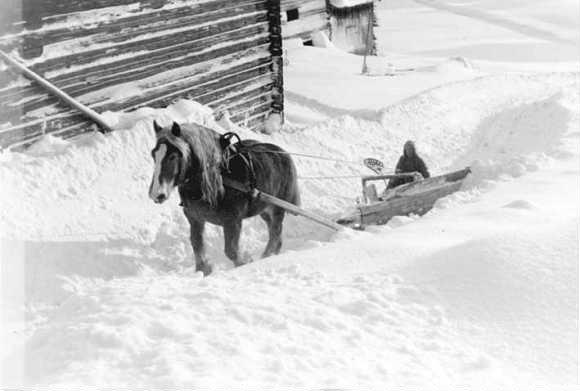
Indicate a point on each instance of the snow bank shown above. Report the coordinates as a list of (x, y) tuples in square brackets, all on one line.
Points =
[(483, 286)]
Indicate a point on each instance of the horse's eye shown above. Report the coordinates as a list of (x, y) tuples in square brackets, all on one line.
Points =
[(173, 157)]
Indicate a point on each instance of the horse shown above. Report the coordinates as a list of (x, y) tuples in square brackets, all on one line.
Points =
[(197, 161)]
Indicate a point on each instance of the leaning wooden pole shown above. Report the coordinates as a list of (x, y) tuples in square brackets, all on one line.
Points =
[(51, 88)]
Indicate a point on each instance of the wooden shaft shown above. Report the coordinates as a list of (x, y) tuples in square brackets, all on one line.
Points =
[(293, 209), (51, 88)]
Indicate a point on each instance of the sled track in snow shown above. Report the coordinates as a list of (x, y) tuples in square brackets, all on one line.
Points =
[(522, 28)]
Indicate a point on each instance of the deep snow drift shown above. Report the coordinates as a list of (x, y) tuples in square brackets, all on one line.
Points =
[(97, 288), (482, 290)]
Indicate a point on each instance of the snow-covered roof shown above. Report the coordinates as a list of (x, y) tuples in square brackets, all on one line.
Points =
[(348, 3)]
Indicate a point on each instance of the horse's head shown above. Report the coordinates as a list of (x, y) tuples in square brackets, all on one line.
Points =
[(183, 156), (170, 157)]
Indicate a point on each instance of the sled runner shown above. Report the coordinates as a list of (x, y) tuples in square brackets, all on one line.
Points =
[(417, 197)]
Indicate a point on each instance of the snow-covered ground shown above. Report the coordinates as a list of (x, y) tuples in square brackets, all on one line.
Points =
[(97, 286)]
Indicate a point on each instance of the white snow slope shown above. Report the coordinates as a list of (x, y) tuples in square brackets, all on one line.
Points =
[(482, 290), (97, 289)]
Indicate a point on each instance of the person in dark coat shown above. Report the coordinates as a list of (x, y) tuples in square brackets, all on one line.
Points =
[(408, 162)]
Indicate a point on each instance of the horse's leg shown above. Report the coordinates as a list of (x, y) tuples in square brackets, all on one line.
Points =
[(274, 219), (196, 237), (232, 230)]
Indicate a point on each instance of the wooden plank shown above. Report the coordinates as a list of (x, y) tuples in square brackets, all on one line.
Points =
[(418, 204)]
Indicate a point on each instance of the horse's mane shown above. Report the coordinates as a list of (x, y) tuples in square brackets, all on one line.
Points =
[(204, 144)]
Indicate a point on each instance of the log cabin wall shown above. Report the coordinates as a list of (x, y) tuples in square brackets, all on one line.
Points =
[(119, 55), (302, 18)]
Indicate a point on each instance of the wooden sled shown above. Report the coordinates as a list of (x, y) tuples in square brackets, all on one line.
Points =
[(417, 197)]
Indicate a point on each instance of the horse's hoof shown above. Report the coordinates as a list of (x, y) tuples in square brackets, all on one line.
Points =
[(206, 269), (244, 259)]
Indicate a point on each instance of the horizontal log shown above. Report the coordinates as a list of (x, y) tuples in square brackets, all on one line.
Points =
[(150, 44), (152, 21), (34, 129), (258, 124), (210, 82), (215, 97), (245, 116), (198, 76), (148, 68), (239, 102), (20, 141), (242, 107), (167, 50), (56, 7), (244, 88), (25, 132), (120, 31)]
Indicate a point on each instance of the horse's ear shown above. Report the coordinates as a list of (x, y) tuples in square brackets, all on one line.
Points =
[(176, 129), (156, 127)]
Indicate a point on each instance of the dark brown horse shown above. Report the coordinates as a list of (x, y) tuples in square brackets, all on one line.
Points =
[(192, 158)]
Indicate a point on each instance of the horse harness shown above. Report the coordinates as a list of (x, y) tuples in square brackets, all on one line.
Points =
[(231, 151)]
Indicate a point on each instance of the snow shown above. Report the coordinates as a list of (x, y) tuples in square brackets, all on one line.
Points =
[(97, 288)]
